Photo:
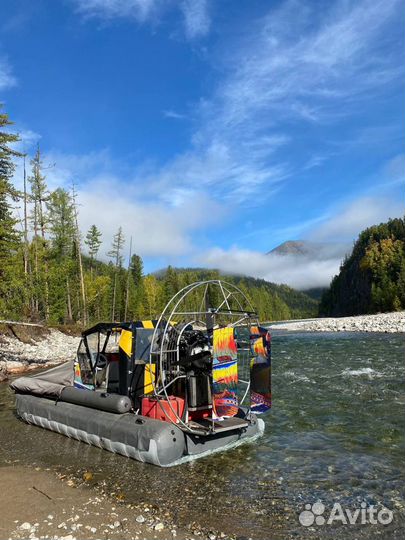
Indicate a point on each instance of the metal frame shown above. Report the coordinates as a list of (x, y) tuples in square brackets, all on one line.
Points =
[(233, 309)]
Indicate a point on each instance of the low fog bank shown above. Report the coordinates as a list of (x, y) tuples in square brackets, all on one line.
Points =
[(300, 271)]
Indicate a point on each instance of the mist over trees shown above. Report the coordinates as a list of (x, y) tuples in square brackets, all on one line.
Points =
[(46, 277)]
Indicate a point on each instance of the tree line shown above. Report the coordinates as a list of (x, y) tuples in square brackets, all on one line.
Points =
[(51, 273), (372, 277)]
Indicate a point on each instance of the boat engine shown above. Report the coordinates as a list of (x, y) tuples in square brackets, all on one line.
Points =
[(195, 358)]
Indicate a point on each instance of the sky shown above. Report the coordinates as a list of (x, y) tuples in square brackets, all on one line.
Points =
[(214, 130)]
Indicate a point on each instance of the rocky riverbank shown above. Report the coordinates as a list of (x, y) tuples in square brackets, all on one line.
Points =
[(29, 347), (382, 322)]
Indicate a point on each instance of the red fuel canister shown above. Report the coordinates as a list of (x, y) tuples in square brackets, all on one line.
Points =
[(159, 409)]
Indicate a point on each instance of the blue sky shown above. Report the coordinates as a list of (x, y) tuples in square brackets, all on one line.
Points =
[(213, 130)]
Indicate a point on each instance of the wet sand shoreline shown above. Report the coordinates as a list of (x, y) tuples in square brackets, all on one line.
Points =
[(40, 504)]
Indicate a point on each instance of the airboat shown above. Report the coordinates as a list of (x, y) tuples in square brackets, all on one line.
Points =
[(164, 391)]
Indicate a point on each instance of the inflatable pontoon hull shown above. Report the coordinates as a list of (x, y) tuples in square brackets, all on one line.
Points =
[(138, 437)]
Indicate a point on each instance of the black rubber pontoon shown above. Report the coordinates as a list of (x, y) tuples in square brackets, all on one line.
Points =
[(131, 435)]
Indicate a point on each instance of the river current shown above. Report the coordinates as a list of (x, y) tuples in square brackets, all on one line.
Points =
[(335, 435)]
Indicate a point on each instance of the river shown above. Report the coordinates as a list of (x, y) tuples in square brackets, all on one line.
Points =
[(335, 435)]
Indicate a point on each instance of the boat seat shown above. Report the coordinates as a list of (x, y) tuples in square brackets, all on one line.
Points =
[(112, 375)]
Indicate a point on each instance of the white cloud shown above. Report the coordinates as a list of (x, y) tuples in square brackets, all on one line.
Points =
[(218, 169), (196, 18), (7, 79), (296, 271), (173, 114), (65, 169), (394, 171), (195, 13), (289, 61), (347, 222), (139, 10), (296, 64), (157, 229), (107, 197)]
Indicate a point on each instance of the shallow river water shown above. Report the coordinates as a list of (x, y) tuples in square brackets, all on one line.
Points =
[(335, 434)]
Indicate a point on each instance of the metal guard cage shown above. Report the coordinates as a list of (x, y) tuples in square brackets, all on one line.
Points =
[(202, 307)]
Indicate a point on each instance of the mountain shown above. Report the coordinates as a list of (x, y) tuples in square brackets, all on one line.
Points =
[(295, 247), (311, 250), (372, 277)]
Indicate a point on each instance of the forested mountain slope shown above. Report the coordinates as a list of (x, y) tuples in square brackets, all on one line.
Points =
[(372, 278)]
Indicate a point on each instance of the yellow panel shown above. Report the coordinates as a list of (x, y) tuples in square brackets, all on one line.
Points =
[(125, 342), (148, 378), (148, 324)]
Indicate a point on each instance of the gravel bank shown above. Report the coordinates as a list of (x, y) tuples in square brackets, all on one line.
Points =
[(26, 348), (382, 322), (40, 506)]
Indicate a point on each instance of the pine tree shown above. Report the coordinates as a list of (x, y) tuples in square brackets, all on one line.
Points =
[(171, 283), (61, 222), (40, 195), (62, 234), (128, 282), (93, 242), (25, 211), (136, 270), (9, 237), (39, 219), (116, 254), (79, 256)]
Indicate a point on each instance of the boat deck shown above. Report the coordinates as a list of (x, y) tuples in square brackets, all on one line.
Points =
[(218, 426)]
